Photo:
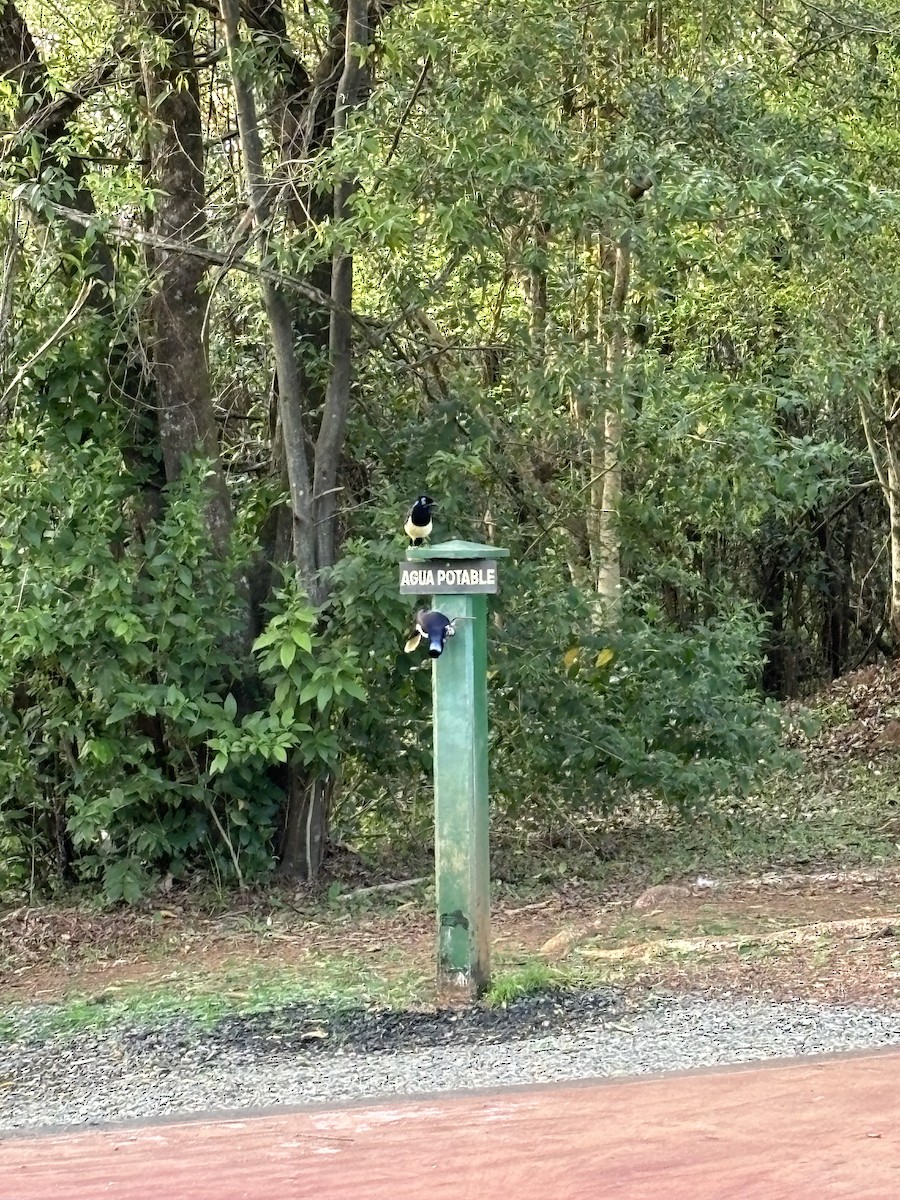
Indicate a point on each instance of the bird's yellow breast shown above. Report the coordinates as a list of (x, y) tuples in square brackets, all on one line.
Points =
[(416, 531)]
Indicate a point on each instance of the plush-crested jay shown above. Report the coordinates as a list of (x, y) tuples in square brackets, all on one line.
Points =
[(418, 523), (435, 628)]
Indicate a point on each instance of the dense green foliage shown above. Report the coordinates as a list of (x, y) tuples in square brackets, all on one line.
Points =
[(623, 298)]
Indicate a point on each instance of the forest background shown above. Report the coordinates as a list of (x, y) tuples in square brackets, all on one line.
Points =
[(616, 284)]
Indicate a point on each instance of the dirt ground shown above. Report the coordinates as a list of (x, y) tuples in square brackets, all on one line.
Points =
[(832, 937)]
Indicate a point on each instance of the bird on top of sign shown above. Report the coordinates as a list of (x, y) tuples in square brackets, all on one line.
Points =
[(418, 522)]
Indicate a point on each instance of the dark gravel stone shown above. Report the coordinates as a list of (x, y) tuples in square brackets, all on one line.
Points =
[(313, 1030), (305, 1027)]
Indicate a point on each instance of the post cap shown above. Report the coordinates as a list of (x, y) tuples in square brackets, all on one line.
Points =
[(456, 548)]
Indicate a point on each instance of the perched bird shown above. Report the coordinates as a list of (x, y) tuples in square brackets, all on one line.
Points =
[(418, 523), (435, 627)]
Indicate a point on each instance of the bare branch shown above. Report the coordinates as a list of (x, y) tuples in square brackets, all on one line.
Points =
[(58, 333), (11, 262), (410, 105), (127, 234)]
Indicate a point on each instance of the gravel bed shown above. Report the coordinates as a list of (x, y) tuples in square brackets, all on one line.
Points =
[(301, 1055)]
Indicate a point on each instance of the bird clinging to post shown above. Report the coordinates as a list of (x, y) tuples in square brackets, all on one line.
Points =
[(435, 627), (418, 523)]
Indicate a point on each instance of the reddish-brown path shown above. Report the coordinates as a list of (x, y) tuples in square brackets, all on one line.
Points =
[(802, 1130)]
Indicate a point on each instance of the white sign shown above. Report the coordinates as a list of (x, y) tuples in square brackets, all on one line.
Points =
[(451, 577)]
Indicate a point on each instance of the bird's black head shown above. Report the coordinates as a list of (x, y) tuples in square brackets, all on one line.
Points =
[(426, 500)]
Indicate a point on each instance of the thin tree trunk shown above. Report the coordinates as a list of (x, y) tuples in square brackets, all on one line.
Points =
[(592, 418), (893, 502), (333, 427), (306, 820), (187, 426), (301, 121), (307, 799), (12, 261), (774, 556), (606, 445), (606, 456), (885, 452), (537, 299), (312, 108), (891, 478), (278, 314)]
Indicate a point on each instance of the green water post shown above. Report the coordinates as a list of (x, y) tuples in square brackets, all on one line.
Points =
[(459, 576)]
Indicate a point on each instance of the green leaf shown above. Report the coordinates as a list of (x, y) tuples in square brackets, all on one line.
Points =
[(219, 763), (355, 689), (120, 710), (302, 638)]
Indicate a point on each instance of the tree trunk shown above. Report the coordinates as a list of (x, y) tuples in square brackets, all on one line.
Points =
[(606, 455), (893, 503), (187, 425), (833, 587), (312, 488), (884, 448), (333, 426), (287, 369), (305, 834), (537, 299), (772, 600), (310, 108), (606, 434), (301, 122)]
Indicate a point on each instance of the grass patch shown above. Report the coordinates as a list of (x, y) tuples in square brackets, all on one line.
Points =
[(336, 984), (528, 979)]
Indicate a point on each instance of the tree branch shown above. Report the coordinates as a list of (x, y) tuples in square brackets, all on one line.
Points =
[(410, 104), (140, 237), (59, 332)]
